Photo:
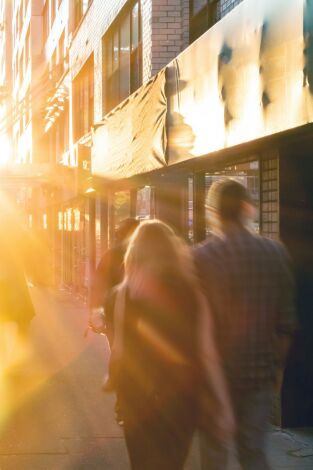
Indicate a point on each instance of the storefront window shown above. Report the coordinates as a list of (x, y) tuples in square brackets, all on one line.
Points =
[(121, 206), (44, 221), (247, 174), (190, 206), (98, 230), (197, 6), (76, 220), (145, 203)]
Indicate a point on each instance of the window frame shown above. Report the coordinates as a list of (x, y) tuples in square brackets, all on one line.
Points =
[(111, 84), (203, 19)]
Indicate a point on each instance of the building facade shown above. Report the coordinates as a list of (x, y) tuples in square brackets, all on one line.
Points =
[(28, 86), (95, 55), (5, 80), (89, 77)]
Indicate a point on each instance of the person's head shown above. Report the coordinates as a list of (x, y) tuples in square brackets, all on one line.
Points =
[(125, 229), (229, 204), (155, 251)]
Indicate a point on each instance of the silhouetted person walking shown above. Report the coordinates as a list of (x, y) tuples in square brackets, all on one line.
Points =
[(159, 357), (249, 286), (109, 273), (110, 270)]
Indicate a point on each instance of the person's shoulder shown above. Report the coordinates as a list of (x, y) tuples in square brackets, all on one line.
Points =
[(275, 248), (208, 252), (207, 245), (274, 245)]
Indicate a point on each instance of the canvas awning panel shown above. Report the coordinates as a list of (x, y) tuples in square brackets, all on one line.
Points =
[(132, 139), (248, 77)]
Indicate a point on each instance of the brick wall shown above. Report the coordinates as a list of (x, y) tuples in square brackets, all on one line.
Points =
[(170, 31)]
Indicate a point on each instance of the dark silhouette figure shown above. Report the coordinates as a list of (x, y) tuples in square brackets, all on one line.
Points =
[(158, 356), (15, 301), (110, 270)]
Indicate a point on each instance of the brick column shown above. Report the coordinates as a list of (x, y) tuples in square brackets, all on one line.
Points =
[(165, 28)]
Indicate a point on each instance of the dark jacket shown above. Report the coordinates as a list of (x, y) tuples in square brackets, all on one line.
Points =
[(248, 282)]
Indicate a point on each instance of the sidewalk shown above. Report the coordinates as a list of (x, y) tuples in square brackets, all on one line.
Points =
[(57, 418)]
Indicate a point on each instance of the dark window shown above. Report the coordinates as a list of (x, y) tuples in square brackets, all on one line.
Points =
[(83, 103), (203, 15), (122, 64)]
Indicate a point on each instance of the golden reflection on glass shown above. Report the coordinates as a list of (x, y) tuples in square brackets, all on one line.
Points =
[(45, 221), (76, 220), (60, 220), (69, 220)]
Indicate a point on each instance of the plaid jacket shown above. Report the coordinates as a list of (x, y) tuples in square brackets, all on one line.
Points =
[(249, 285)]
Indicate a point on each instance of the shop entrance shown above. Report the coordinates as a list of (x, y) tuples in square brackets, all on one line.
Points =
[(248, 175)]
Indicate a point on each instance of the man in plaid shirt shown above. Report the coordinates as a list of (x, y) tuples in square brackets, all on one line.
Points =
[(249, 287)]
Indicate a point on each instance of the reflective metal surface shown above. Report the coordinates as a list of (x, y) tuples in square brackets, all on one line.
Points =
[(248, 77)]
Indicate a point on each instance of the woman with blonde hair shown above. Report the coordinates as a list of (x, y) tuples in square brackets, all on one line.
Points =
[(159, 362)]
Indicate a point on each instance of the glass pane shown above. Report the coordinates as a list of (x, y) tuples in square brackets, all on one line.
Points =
[(98, 230), (115, 51), (135, 26), (145, 203), (247, 174), (197, 5), (121, 206), (135, 66), (125, 58), (109, 65), (190, 204)]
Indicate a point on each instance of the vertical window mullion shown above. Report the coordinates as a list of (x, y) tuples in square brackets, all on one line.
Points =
[(119, 62)]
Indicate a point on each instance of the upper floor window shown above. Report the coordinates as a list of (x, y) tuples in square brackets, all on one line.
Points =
[(80, 8), (203, 15), (122, 64), (83, 100)]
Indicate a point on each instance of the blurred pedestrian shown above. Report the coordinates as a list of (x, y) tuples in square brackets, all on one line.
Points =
[(249, 284), (160, 359), (16, 307), (109, 273), (15, 301)]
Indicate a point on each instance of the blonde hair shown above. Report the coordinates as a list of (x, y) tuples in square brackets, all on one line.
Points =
[(155, 247)]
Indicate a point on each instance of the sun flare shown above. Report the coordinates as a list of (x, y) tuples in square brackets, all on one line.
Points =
[(5, 149)]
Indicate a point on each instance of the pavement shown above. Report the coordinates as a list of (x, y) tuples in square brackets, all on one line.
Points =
[(53, 415)]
